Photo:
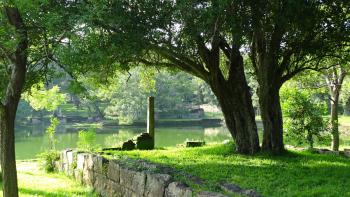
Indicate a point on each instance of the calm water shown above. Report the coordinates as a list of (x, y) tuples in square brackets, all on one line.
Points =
[(32, 140)]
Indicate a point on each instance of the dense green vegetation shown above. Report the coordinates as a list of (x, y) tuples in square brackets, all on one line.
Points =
[(237, 56), (295, 173)]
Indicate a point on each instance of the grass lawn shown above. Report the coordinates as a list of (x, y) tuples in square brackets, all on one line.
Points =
[(293, 174), (35, 182)]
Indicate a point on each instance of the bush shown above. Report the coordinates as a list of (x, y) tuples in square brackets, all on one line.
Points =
[(303, 118), (47, 160), (87, 140)]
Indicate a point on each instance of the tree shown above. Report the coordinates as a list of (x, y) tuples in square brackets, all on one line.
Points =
[(285, 36), (41, 98), (304, 118), (334, 79), (10, 98), (29, 31), (200, 38)]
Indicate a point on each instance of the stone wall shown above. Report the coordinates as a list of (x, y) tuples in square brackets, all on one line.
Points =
[(123, 177)]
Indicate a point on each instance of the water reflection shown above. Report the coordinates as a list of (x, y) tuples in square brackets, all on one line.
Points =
[(32, 140)]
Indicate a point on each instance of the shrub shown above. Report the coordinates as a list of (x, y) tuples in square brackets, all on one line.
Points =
[(87, 140), (51, 130), (47, 160), (303, 118)]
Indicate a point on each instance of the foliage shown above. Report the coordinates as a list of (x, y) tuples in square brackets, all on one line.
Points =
[(303, 117), (47, 160), (320, 174), (41, 98), (51, 130), (87, 140)]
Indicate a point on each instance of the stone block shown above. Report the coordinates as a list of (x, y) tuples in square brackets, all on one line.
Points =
[(101, 184), (100, 164), (81, 161), (195, 143), (88, 177), (177, 189), (209, 194), (144, 142), (114, 189), (139, 183), (113, 171), (126, 176), (88, 162), (128, 145), (347, 152), (156, 184), (78, 175)]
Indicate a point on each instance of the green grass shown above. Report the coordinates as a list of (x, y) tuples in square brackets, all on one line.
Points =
[(293, 174), (35, 182)]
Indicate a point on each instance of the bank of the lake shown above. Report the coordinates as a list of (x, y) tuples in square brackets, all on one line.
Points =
[(32, 140), (293, 174)]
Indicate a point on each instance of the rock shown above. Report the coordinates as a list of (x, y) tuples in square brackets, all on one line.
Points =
[(81, 161), (139, 183), (128, 145), (230, 188), (177, 189), (64, 160), (71, 162), (209, 194), (126, 176), (115, 189), (347, 152), (100, 184), (156, 184), (327, 151), (88, 162), (113, 172), (144, 142), (78, 175), (88, 177), (100, 164), (251, 193), (195, 143), (235, 189)]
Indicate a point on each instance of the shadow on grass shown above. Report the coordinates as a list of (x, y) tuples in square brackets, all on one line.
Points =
[(290, 174), (227, 150), (59, 193), (36, 192)]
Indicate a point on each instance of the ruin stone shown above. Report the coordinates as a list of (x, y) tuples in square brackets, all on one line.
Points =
[(144, 142), (128, 145)]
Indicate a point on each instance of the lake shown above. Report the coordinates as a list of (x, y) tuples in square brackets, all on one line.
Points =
[(32, 140)]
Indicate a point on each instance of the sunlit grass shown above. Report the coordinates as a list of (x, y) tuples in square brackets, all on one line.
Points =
[(35, 182), (292, 174)]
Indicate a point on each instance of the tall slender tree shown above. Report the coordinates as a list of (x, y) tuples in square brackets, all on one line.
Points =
[(29, 33)]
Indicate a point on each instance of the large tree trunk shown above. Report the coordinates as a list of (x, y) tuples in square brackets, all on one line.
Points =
[(271, 116), (270, 82), (9, 104), (235, 100), (8, 159)]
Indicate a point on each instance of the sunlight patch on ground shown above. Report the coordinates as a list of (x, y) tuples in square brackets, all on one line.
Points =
[(35, 182)]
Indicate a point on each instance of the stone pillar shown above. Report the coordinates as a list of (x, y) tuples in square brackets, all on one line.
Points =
[(150, 117)]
